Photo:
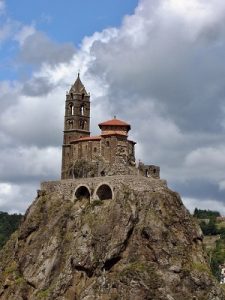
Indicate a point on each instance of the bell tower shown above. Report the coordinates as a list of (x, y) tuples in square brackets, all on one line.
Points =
[(77, 113), (76, 120)]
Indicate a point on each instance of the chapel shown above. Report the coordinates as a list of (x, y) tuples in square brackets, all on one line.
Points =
[(109, 153)]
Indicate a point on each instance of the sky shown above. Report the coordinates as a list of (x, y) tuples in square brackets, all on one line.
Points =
[(157, 64)]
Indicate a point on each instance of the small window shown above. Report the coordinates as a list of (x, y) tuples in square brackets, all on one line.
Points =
[(82, 110), (107, 143), (82, 96), (95, 149)]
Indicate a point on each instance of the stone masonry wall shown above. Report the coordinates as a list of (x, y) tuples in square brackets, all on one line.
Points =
[(66, 188)]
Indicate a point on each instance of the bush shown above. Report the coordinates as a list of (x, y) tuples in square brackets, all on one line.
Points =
[(205, 214)]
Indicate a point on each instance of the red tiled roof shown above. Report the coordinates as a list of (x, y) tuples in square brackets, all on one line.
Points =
[(88, 138), (114, 122)]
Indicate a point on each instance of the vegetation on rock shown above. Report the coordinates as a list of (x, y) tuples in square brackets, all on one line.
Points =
[(8, 224), (214, 232)]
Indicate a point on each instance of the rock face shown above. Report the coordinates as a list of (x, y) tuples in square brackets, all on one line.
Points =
[(141, 244)]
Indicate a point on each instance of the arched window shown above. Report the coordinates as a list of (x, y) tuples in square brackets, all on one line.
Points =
[(104, 192), (82, 110), (70, 124), (82, 96), (81, 124), (82, 192), (71, 109)]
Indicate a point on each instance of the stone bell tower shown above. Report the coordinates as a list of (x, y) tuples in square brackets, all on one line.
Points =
[(77, 113), (76, 121)]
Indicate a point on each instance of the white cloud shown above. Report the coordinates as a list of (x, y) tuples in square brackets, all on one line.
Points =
[(24, 33), (16, 198), (206, 163), (30, 164)]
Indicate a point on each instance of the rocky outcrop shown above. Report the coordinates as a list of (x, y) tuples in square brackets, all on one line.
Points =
[(142, 244)]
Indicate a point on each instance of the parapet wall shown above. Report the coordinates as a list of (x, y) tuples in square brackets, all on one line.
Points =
[(67, 187)]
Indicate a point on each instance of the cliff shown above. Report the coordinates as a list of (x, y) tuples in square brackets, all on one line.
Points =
[(141, 244)]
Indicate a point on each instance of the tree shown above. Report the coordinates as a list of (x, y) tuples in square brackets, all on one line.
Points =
[(8, 224)]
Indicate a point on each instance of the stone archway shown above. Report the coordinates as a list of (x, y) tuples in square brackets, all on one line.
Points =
[(82, 192), (104, 192)]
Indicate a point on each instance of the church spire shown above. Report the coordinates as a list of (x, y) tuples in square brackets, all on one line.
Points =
[(78, 87)]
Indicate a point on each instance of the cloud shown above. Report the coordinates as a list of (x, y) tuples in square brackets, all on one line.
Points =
[(24, 33), (207, 162), (24, 165), (222, 185), (48, 51), (154, 55), (34, 120), (37, 86), (7, 30), (16, 198)]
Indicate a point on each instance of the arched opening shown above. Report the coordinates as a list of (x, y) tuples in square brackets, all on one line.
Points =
[(71, 109), (82, 192), (82, 124), (70, 124), (82, 110), (104, 192)]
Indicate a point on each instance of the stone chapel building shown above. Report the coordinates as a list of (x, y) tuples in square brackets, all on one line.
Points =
[(109, 153)]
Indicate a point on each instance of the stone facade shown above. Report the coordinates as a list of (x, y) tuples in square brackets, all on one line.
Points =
[(110, 153)]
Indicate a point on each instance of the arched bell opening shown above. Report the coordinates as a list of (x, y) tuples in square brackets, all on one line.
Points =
[(104, 192), (82, 192)]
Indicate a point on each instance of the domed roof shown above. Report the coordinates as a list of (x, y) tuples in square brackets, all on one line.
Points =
[(114, 122)]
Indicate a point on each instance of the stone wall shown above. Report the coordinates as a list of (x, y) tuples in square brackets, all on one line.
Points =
[(67, 188), (149, 170), (111, 149)]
